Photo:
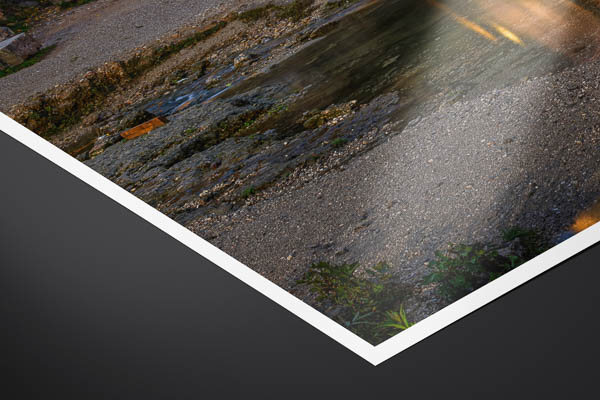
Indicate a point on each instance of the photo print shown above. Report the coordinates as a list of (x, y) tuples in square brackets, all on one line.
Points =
[(379, 160)]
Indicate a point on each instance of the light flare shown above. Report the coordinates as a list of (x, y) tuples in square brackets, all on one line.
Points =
[(586, 218), (508, 34), (464, 21)]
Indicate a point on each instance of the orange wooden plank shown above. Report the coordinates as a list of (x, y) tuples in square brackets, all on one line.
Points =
[(184, 105), (144, 128), (81, 149)]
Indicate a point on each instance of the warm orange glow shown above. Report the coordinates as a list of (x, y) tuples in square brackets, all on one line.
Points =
[(587, 218), (464, 21), (550, 23), (508, 34), (542, 12), (576, 7)]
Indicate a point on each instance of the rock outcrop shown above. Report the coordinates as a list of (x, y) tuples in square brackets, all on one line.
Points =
[(5, 32), (17, 49)]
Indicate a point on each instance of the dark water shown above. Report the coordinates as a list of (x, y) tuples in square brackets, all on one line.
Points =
[(188, 94), (426, 48), (421, 49)]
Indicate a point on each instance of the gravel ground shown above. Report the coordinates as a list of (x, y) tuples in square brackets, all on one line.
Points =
[(526, 155), (101, 31)]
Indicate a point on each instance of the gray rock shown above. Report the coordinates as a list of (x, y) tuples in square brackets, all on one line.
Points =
[(513, 248), (84, 140), (240, 60), (83, 156), (244, 58), (18, 48), (5, 33), (103, 142), (563, 236)]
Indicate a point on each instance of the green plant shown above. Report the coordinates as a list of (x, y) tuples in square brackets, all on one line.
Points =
[(464, 268), (255, 14), (515, 232), (237, 125), (73, 3), (339, 142), (362, 303), (531, 241), (247, 192), (328, 280), (95, 88), (37, 57), (277, 109), (162, 53), (19, 14), (397, 320), (296, 10), (332, 5)]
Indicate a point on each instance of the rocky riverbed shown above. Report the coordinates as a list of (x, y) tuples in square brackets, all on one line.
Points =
[(354, 131)]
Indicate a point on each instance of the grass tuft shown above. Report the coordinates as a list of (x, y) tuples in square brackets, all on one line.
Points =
[(37, 57), (368, 305), (339, 142), (247, 192), (48, 115), (464, 268), (295, 11), (73, 3)]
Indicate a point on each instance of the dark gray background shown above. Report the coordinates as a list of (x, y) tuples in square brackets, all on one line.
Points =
[(97, 303)]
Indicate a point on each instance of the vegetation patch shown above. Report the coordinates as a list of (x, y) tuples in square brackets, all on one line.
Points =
[(295, 10), (63, 107), (18, 16), (73, 3), (256, 14), (334, 5), (247, 192), (162, 53), (368, 304), (236, 126), (339, 142), (278, 108), (531, 241), (37, 57), (464, 268), (315, 119)]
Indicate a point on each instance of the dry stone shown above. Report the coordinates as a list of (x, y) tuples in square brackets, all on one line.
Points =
[(15, 50), (5, 33)]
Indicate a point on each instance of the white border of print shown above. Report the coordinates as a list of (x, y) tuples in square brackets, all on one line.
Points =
[(373, 354)]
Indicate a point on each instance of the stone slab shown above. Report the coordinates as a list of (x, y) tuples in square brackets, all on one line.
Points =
[(5, 33), (15, 50)]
